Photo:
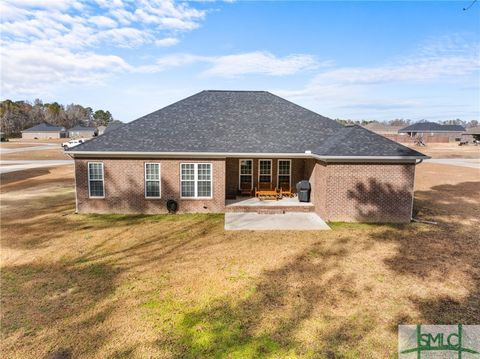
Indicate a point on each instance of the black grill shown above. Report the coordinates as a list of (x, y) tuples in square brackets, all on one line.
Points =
[(303, 191)]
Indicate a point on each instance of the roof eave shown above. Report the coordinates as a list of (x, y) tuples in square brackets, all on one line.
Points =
[(129, 154)]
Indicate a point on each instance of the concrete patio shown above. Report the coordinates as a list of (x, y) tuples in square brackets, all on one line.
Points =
[(253, 201), (288, 221)]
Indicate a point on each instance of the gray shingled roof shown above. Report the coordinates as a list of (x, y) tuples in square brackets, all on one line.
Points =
[(44, 127), (242, 122), (113, 126), (431, 127)]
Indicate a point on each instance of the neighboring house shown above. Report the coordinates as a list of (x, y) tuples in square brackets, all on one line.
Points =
[(80, 131), (101, 130), (113, 126), (44, 131), (388, 131), (383, 128), (470, 134), (434, 132), (199, 150)]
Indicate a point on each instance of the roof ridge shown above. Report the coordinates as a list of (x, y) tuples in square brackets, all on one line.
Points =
[(235, 91)]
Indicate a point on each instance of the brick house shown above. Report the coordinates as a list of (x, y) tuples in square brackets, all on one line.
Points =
[(432, 132), (44, 131), (199, 150)]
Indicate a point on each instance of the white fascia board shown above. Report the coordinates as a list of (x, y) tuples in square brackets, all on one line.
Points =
[(370, 158), (118, 154)]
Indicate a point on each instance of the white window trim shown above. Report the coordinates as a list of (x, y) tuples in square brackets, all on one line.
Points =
[(103, 179), (240, 172), (271, 169), (159, 180), (289, 172), (195, 180)]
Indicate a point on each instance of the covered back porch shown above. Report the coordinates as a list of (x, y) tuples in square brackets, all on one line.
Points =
[(266, 185)]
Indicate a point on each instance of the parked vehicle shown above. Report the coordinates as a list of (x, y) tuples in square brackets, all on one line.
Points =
[(72, 143)]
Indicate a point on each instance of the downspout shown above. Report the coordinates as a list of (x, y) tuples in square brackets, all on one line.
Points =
[(75, 179), (413, 192)]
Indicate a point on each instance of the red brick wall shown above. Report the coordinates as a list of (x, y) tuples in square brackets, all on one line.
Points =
[(316, 174), (363, 192), (427, 138), (125, 189), (340, 191)]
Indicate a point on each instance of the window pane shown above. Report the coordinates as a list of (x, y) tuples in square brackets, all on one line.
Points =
[(246, 179), (284, 167), (283, 179), (152, 171), (188, 189), (153, 189), (264, 178), (96, 188), (188, 172), (204, 172), (95, 171), (265, 167), (204, 189), (246, 167)]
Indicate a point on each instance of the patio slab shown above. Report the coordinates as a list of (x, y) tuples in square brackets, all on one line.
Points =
[(255, 202), (288, 221)]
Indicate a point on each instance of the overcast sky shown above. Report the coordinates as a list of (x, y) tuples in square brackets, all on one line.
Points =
[(372, 60)]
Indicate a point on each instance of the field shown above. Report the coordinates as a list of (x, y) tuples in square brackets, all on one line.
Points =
[(99, 286)]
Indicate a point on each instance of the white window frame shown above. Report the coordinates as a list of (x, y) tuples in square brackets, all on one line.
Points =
[(240, 172), (195, 179), (159, 180), (103, 179), (289, 172), (271, 169)]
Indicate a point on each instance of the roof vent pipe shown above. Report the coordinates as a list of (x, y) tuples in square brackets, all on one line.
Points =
[(307, 152)]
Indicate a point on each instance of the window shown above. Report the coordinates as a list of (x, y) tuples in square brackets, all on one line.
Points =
[(96, 188), (196, 180), (152, 180), (284, 172), (265, 171), (246, 172)]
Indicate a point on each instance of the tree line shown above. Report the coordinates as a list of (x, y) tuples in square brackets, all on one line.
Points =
[(16, 116), (406, 122)]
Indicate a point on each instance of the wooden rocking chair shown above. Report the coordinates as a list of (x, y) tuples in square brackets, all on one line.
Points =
[(246, 188), (286, 190)]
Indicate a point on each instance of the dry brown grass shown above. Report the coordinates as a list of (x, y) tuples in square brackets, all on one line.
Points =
[(50, 154), (27, 141), (18, 144), (180, 286), (449, 150)]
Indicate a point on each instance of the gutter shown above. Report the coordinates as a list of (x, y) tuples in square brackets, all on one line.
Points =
[(307, 154)]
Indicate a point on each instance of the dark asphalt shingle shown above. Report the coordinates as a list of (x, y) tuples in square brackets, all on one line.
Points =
[(44, 127), (431, 127), (242, 122)]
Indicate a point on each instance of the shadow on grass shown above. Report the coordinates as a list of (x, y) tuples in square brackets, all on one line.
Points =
[(264, 319), (441, 253), (63, 300)]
